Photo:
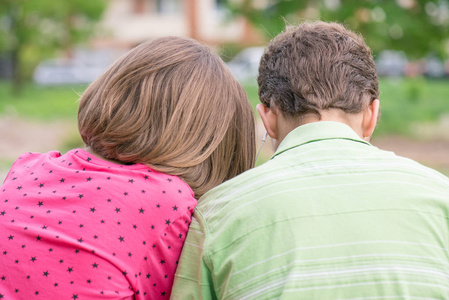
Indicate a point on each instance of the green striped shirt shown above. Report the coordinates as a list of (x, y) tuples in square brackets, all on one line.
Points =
[(328, 217)]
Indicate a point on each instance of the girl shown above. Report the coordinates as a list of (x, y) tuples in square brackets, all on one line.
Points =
[(163, 125)]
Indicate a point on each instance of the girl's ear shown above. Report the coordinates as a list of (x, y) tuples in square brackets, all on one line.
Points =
[(269, 120)]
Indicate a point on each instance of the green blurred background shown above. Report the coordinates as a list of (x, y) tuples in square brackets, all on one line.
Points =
[(46, 44)]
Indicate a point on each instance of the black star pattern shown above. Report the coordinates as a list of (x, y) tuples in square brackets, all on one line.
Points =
[(80, 190)]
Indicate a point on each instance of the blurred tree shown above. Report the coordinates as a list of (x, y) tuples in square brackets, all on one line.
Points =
[(414, 26), (37, 28)]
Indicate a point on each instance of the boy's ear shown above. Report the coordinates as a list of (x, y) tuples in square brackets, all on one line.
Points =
[(370, 117), (269, 119)]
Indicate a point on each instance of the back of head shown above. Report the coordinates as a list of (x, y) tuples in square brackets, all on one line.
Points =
[(173, 105), (317, 66)]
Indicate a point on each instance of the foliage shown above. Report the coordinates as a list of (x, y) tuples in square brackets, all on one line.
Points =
[(33, 29), (415, 26)]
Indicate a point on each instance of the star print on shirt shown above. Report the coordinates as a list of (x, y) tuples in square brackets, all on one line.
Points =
[(85, 192)]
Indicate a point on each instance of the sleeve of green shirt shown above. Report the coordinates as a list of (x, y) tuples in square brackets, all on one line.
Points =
[(193, 278)]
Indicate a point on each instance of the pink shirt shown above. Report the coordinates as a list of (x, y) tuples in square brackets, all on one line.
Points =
[(76, 227)]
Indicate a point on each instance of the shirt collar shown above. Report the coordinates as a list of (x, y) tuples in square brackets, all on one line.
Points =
[(317, 131)]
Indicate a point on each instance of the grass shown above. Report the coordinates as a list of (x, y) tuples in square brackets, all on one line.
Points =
[(40, 103), (404, 101)]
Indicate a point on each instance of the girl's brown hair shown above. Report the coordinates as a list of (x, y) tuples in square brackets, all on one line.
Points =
[(173, 105)]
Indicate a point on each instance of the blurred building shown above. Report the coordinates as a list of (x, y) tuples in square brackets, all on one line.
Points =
[(127, 23)]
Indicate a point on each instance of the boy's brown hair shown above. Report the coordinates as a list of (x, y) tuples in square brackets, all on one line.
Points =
[(173, 105), (317, 66)]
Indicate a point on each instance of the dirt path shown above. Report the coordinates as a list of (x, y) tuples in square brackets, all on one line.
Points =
[(433, 153), (19, 135)]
